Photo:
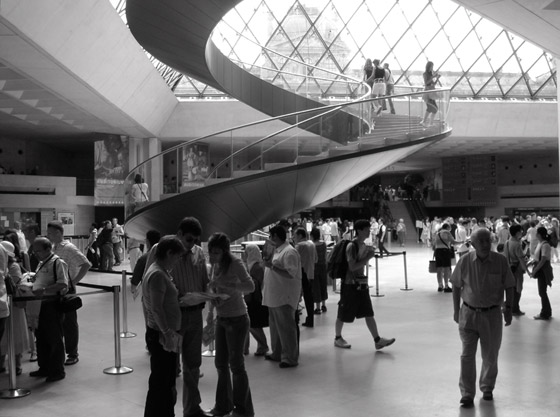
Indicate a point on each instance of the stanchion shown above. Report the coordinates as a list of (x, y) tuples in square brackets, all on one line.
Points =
[(125, 333), (405, 275), (12, 391), (377, 278), (118, 369)]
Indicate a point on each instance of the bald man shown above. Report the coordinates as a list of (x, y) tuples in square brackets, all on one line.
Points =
[(480, 280)]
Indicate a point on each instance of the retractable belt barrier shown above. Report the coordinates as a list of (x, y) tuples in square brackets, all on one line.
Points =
[(118, 369), (406, 288)]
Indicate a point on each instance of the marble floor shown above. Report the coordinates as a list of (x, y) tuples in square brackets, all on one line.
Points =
[(417, 376)]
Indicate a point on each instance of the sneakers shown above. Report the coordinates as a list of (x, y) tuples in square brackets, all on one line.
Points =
[(71, 360), (384, 343), (341, 343)]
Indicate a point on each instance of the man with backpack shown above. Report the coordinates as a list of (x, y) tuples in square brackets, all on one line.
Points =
[(355, 301)]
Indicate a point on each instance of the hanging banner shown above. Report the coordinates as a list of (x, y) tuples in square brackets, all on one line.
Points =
[(195, 166), (111, 168)]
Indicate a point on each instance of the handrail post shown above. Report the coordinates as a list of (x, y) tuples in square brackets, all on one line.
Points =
[(12, 391), (405, 274), (377, 278), (117, 369), (125, 333)]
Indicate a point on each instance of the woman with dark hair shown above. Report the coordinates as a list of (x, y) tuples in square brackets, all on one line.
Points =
[(21, 257), (105, 246), (542, 271), (441, 243), (139, 190), (258, 314), (163, 321), (430, 79), (229, 277)]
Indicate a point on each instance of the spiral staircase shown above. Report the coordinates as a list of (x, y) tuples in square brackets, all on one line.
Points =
[(308, 152)]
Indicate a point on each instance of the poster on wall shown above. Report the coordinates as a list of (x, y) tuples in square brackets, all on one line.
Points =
[(195, 166), (111, 168), (67, 220)]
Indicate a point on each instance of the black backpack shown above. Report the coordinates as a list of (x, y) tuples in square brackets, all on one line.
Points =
[(338, 264)]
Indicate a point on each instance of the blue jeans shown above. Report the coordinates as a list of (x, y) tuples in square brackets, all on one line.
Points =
[(232, 392), (162, 394), (283, 334), (191, 351)]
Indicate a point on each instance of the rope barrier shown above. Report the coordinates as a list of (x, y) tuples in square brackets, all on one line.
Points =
[(406, 288), (118, 369)]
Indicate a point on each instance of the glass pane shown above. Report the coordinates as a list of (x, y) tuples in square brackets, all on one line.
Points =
[(457, 27), (491, 89), (509, 74), (539, 73), (487, 32), (548, 89)]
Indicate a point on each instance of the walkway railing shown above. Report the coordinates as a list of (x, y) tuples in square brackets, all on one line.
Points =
[(279, 142)]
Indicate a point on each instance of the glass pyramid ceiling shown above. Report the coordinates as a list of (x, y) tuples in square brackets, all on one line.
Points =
[(476, 58)]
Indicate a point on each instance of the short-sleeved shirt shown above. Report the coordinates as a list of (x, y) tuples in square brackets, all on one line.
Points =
[(308, 257), (189, 273), (514, 252), (351, 255), (73, 257), (277, 289), (160, 300), (46, 274), (483, 282)]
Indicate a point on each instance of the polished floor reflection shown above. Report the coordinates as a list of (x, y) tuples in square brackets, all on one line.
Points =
[(417, 376)]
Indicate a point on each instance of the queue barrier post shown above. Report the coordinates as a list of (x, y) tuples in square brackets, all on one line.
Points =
[(118, 369), (405, 274), (12, 391), (377, 278), (125, 333)]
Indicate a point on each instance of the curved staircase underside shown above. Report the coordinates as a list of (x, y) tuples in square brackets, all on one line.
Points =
[(177, 32)]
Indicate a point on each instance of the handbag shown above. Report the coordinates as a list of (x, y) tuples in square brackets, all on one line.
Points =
[(68, 303), (432, 266)]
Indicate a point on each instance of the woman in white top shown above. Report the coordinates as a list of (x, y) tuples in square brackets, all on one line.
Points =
[(230, 277), (139, 191), (442, 243)]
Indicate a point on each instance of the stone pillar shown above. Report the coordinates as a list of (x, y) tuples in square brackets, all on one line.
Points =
[(154, 171)]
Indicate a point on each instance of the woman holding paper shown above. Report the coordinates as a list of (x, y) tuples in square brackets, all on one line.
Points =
[(163, 320), (229, 277)]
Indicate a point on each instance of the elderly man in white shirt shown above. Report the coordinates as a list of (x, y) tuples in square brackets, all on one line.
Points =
[(281, 293)]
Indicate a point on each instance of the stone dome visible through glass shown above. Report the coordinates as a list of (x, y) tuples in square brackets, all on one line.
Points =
[(477, 58)]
